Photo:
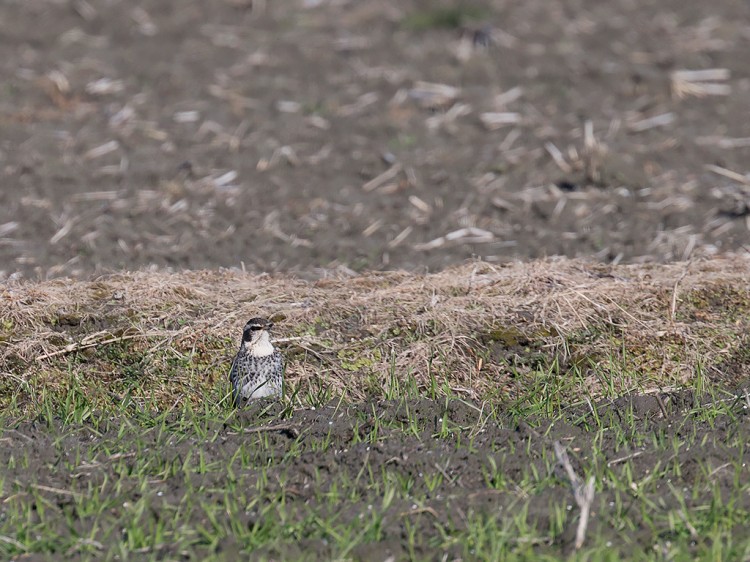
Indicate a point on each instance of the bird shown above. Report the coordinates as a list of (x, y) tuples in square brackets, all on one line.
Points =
[(258, 368)]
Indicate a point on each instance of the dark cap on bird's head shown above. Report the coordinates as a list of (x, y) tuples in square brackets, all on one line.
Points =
[(255, 325)]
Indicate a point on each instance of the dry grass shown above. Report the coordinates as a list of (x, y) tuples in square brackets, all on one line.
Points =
[(482, 330)]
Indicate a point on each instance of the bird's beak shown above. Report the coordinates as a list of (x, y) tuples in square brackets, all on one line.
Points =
[(269, 325)]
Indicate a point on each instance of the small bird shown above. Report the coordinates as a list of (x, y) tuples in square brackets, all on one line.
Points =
[(258, 367)]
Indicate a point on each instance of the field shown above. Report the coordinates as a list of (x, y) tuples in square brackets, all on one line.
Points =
[(425, 416), (309, 135), (505, 245)]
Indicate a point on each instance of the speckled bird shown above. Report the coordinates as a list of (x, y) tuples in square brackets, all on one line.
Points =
[(258, 367)]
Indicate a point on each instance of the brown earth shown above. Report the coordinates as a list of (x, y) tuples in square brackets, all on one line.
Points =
[(299, 135)]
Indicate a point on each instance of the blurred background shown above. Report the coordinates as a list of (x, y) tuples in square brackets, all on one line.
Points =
[(310, 136)]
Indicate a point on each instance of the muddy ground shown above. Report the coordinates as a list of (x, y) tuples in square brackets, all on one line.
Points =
[(298, 135), (653, 457)]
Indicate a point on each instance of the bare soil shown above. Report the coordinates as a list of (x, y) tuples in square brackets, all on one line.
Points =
[(297, 136)]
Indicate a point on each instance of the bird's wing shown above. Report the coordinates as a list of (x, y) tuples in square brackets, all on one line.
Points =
[(278, 360), (233, 370), (234, 379)]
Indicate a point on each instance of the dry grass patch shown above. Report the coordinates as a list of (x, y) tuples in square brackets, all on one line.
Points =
[(478, 330)]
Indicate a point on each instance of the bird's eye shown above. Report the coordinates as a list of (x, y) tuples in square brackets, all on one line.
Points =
[(256, 328)]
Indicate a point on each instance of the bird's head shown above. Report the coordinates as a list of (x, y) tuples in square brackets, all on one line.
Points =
[(255, 330)]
